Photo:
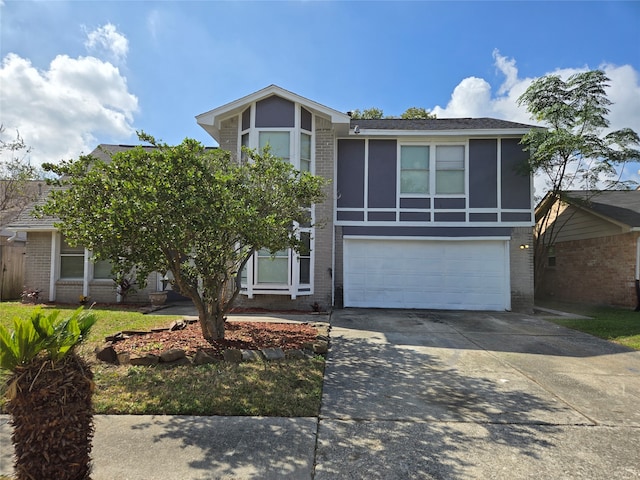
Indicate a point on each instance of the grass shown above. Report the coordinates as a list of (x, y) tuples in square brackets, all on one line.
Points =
[(618, 325), (286, 388)]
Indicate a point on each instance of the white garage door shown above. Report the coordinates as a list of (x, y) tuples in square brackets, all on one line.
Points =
[(453, 275)]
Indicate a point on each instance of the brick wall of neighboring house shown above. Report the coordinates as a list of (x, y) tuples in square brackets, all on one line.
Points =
[(521, 266), (597, 271)]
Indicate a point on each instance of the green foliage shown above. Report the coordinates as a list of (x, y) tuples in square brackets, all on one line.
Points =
[(573, 150), (15, 173), (410, 113), (417, 113), (372, 113), (42, 332), (186, 209)]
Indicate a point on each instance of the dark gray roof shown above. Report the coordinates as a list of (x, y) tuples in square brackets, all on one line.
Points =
[(619, 205), (439, 124)]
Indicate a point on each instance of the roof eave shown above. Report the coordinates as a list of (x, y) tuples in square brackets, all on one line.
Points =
[(211, 121), (484, 132)]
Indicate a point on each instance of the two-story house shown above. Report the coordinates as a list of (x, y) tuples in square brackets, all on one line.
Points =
[(433, 213)]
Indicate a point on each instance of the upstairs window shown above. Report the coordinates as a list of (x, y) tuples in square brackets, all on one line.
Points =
[(305, 152), (414, 169), (279, 142), (450, 169)]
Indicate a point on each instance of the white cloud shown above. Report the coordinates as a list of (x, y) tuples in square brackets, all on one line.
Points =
[(61, 111), (106, 40), (474, 97)]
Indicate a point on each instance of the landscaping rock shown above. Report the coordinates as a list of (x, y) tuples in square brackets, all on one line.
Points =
[(177, 325), (172, 355), (232, 355), (251, 356), (124, 358), (145, 361), (115, 337), (294, 354), (272, 353), (201, 357), (107, 353), (320, 347), (179, 362)]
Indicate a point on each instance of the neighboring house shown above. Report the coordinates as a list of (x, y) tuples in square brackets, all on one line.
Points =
[(595, 254), (419, 213)]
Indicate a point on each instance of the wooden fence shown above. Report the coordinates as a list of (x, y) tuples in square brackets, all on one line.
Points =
[(12, 266)]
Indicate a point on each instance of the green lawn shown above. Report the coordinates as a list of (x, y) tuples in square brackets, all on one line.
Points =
[(615, 324), (285, 388)]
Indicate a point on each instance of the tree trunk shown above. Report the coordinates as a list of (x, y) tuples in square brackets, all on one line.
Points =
[(52, 419), (212, 325)]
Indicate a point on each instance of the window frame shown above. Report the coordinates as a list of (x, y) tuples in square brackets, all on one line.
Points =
[(432, 146), (251, 137)]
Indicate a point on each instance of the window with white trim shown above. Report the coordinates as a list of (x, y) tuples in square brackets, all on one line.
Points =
[(71, 261), (72, 264), (287, 271), (450, 169), (414, 169), (278, 141)]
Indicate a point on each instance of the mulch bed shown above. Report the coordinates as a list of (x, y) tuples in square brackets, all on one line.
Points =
[(238, 335)]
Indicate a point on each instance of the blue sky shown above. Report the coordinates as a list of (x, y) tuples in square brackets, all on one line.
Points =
[(75, 74)]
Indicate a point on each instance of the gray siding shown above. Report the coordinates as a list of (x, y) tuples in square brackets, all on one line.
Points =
[(382, 174), (516, 184), (275, 112), (576, 224), (483, 173), (350, 183)]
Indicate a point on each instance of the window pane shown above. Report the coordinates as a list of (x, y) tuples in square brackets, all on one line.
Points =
[(305, 152), (450, 157), (244, 140), (305, 270), (65, 248), (413, 157), (450, 181), (278, 141), (102, 269), (72, 266), (273, 270), (414, 181), (305, 146), (305, 238)]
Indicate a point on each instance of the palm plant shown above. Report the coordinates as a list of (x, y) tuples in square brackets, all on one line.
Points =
[(49, 395)]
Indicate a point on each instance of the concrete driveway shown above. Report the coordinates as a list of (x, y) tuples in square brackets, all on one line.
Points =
[(420, 394)]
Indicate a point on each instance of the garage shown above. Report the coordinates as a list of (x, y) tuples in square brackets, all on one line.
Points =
[(431, 274)]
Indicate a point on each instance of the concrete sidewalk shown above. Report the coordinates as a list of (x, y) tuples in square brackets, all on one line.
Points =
[(413, 394)]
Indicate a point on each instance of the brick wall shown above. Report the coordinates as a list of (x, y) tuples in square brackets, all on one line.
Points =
[(38, 263), (597, 271), (521, 269), (229, 136)]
